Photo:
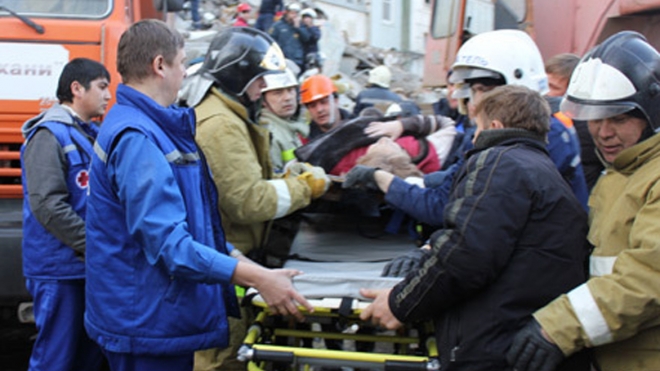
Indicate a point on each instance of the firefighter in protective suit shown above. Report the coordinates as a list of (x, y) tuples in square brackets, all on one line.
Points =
[(238, 152), (615, 88)]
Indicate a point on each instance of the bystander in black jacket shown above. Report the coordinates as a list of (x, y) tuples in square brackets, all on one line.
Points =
[(513, 239)]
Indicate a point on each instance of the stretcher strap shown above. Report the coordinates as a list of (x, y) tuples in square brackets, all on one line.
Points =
[(346, 307)]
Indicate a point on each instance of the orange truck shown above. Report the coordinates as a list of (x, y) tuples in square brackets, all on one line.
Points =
[(557, 26), (37, 38)]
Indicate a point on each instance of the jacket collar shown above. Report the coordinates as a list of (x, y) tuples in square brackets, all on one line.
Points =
[(204, 111), (491, 138), (173, 119), (267, 117), (632, 158)]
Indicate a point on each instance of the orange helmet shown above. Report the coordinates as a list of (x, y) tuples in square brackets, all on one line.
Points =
[(315, 88)]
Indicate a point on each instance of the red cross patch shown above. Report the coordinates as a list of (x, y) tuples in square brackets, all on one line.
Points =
[(82, 179)]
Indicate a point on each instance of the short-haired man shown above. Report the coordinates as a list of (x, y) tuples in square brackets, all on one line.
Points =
[(56, 158), (161, 272), (559, 69), (319, 95), (512, 237)]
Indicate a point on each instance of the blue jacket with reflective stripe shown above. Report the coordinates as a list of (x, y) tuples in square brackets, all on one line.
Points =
[(44, 256), (155, 246)]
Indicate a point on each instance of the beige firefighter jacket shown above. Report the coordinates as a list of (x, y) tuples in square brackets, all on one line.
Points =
[(237, 151), (617, 311)]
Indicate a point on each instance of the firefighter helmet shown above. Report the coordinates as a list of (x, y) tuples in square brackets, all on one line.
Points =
[(280, 81), (617, 76), (510, 55), (238, 56)]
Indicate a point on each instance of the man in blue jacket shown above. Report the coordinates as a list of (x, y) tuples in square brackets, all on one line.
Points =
[(160, 271), (291, 36), (55, 158)]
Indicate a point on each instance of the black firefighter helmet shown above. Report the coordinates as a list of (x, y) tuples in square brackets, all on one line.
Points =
[(238, 56), (618, 76)]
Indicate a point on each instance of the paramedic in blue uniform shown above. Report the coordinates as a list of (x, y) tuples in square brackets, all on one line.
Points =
[(160, 272), (55, 159)]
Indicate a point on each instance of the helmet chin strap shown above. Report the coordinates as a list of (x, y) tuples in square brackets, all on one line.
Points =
[(333, 111)]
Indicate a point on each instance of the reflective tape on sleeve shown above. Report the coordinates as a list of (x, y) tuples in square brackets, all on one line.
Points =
[(283, 197), (601, 265), (587, 311)]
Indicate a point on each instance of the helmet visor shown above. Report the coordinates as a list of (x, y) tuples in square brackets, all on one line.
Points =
[(462, 74), (461, 91), (585, 112)]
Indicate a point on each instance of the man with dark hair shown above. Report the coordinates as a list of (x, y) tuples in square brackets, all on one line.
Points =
[(55, 158), (319, 95), (161, 272), (511, 239)]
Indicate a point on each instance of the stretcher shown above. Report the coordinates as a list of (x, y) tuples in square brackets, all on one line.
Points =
[(337, 261)]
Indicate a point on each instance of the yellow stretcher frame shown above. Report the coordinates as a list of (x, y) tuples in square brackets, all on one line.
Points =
[(259, 354)]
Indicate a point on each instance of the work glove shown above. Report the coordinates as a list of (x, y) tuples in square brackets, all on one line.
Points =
[(362, 177), (315, 178), (294, 168), (530, 351), (404, 264)]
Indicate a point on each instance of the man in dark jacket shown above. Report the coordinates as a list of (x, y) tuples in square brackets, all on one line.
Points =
[(267, 11), (511, 240), (291, 37)]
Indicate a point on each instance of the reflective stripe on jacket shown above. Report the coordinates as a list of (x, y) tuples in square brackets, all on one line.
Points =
[(616, 311), (238, 153), (158, 266)]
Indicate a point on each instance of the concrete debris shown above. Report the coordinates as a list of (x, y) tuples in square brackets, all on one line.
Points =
[(348, 64)]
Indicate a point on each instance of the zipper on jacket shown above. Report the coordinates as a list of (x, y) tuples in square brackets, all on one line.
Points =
[(452, 354)]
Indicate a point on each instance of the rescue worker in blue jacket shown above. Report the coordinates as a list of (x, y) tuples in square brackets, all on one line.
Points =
[(160, 271), (291, 36), (55, 159)]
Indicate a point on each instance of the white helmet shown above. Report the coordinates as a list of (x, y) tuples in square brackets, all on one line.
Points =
[(508, 54), (293, 7), (380, 76), (309, 12), (280, 81)]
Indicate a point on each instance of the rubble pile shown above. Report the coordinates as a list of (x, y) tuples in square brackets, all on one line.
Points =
[(348, 64)]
